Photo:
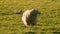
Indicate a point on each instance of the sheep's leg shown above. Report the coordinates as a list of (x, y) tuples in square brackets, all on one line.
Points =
[(30, 28)]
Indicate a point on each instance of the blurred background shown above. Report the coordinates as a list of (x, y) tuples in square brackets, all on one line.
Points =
[(11, 13)]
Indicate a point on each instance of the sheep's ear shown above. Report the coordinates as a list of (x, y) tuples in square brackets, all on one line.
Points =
[(35, 9), (32, 9)]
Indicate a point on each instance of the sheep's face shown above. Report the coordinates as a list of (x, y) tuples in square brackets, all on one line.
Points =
[(35, 11)]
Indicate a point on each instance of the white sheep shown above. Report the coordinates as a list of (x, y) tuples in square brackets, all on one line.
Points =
[(29, 18)]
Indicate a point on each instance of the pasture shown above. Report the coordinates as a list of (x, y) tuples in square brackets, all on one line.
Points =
[(48, 20)]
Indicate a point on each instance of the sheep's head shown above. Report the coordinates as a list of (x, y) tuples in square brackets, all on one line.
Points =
[(35, 11)]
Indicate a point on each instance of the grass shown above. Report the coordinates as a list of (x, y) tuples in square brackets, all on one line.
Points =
[(48, 20)]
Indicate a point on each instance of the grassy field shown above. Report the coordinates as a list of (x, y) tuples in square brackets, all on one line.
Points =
[(48, 20)]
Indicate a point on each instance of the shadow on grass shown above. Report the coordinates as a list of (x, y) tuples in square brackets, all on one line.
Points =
[(56, 32), (29, 32)]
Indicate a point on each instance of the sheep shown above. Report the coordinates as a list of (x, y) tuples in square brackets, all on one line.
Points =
[(29, 18)]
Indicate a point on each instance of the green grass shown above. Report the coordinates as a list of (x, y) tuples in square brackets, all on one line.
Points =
[(48, 20)]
